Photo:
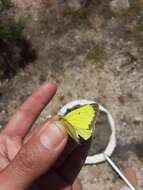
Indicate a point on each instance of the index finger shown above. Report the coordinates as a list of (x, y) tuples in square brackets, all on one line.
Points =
[(27, 113)]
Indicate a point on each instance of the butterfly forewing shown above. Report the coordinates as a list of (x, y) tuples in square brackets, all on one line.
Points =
[(81, 117), (79, 121)]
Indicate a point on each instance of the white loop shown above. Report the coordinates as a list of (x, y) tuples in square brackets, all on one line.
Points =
[(97, 158)]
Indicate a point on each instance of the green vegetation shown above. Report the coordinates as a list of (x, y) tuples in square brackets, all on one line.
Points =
[(4, 4), (15, 51), (141, 23), (80, 17), (95, 53), (12, 30)]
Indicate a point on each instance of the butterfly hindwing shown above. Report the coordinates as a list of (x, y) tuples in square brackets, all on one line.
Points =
[(71, 130), (84, 133)]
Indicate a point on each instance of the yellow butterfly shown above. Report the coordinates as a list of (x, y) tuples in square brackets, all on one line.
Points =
[(78, 121)]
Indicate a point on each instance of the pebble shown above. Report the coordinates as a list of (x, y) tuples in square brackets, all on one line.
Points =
[(76, 4), (125, 188), (77, 185), (119, 6), (73, 5), (131, 175), (137, 120)]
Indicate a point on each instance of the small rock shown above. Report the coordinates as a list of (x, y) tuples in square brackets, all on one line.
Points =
[(137, 120), (0, 128), (131, 176), (77, 185), (119, 6), (130, 95), (73, 5), (76, 4), (121, 99)]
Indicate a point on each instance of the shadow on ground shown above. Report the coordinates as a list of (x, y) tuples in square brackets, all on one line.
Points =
[(14, 56)]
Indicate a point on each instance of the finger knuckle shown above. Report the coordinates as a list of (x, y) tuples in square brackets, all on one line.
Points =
[(27, 161)]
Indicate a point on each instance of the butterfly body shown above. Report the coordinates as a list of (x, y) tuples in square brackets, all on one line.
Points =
[(78, 121)]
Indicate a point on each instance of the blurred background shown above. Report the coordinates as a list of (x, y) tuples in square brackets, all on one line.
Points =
[(93, 49)]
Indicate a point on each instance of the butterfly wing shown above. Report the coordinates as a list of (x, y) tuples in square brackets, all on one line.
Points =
[(71, 130), (84, 133), (80, 119)]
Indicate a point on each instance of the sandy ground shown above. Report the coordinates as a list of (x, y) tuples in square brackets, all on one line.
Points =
[(92, 54)]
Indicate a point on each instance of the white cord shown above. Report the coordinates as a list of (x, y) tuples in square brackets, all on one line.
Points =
[(118, 171)]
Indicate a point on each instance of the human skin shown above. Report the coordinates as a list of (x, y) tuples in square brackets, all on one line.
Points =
[(44, 158)]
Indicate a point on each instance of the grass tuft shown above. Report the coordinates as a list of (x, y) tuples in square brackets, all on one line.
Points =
[(12, 30), (96, 53), (4, 4)]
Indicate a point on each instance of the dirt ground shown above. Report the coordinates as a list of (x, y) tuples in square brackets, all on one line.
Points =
[(91, 54)]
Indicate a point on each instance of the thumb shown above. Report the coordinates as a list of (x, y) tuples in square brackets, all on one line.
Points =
[(36, 156)]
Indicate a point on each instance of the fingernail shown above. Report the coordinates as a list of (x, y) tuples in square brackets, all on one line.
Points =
[(53, 135)]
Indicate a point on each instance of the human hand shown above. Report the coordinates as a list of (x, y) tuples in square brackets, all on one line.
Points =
[(32, 158)]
